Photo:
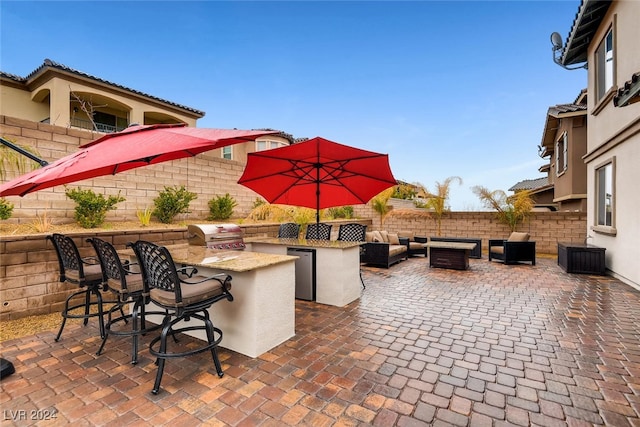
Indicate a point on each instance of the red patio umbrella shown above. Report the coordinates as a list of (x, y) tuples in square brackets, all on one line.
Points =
[(134, 147), (317, 174)]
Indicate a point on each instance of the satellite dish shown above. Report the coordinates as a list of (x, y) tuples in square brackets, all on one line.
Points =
[(556, 41)]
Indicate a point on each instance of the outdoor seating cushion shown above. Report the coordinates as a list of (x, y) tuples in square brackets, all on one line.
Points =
[(416, 246), (396, 249), (91, 272), (408, 234), (191, 293), (134, 284), (513, 237), (518, 237), (393, 239), (376, 236)]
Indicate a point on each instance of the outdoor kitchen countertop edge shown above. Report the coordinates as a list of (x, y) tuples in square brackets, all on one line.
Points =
[(310, 243), (228, 260)]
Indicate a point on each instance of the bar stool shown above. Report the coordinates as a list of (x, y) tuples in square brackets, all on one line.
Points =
[(182, 300), (318, 231), (289, 230), (353, 232), (86, 274), (129, 289)]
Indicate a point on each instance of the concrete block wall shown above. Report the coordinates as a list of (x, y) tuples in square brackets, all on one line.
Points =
[(546, 228), (208, 175)]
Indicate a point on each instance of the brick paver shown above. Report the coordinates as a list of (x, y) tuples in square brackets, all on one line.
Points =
[(494, 345)]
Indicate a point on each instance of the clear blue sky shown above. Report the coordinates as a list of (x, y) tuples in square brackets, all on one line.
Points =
[(446, 88)]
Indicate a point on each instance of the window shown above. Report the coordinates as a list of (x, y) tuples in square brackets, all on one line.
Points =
[(227, 153), (605, 195), (562, 154), (604, 65), (268, 145)]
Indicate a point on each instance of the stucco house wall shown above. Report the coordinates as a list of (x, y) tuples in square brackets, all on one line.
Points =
[(614, 134)]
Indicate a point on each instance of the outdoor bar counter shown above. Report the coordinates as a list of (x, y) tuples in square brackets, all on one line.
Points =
[(262, 313), (337, 265)]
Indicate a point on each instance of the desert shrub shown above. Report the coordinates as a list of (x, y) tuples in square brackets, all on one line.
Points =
[(258, 202), (6, 209), (221, 207), (341, 212), (144, 216), (171, 202), (91, 208)]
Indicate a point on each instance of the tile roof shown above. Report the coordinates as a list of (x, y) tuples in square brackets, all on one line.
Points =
[(585, 24), (48, 64), (566, 108), (531, 184), (629, 93)]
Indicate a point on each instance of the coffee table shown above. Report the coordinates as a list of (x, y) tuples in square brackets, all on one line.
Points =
[(454, 255)]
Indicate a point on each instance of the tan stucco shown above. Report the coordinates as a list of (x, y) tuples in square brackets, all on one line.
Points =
[(614, 133), (52, 95)]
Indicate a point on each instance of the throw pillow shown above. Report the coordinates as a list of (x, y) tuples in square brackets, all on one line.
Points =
[(518, 237), (393, 239)]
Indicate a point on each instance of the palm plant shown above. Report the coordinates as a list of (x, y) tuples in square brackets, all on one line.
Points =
[(11, 160), (437, 201), (511, 210), (380, 203)]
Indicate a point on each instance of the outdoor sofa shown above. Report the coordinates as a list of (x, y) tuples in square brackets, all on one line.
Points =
[(384, 249)]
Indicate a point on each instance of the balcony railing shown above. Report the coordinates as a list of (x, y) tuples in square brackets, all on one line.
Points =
[(100, 127)]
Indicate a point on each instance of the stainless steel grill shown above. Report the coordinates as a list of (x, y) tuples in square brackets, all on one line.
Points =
[(216, 236)]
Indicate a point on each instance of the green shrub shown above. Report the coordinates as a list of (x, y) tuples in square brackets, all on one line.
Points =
[(171, 202), (91, 208), (6, 209), (221, 207)]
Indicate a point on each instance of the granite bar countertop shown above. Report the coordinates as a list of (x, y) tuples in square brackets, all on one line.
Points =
[(307, 243), (238, 261)]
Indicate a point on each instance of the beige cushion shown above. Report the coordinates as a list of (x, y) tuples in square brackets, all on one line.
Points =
[(393, 239), (134, 283), (191, 294), (385, 236), (497, 249), (518, 237), (369, 236), (408, 234), (397, 249), (416, 245), (92, 272), (377, 237)]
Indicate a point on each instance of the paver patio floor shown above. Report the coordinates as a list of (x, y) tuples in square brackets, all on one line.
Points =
[(494, 345)]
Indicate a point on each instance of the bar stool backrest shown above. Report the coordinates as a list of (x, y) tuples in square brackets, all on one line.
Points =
[(318, 231)]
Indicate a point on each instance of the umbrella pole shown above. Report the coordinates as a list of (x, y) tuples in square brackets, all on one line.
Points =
[(318, 194)]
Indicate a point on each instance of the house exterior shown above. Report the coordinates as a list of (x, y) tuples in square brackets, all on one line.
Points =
[(605, 36), (62, 96), (564, 141), (540, 190)]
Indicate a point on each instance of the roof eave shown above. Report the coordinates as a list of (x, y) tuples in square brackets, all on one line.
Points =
[(586, 23)]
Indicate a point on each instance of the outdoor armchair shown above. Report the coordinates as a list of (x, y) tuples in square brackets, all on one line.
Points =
[(517, 248)]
